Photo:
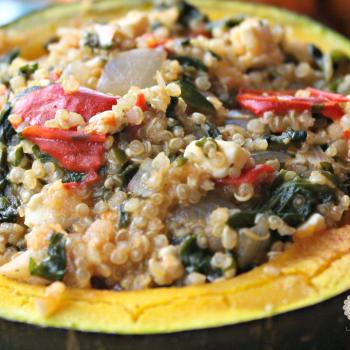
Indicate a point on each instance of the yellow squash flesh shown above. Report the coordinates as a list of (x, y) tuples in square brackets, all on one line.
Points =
[(312, 270)]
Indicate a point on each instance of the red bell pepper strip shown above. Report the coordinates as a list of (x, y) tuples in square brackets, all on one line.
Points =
[(90, 178), (74, 150), (59, 134), (260, 102), (40, 105), (330, 96), (250, 176)]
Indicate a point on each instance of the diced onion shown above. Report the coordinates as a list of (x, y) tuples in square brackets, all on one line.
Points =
[(136, 67)]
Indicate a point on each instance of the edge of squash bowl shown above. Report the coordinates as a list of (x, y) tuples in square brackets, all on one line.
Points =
[(312, 270)]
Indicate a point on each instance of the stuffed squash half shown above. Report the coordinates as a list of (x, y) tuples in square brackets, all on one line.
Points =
[(172, 167)]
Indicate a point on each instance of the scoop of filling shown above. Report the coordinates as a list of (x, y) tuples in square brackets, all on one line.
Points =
[(164, 149)]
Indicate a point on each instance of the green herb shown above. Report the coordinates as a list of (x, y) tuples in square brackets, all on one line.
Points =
[(188, 13), (210, 130), (180, 161), (197, 260), (288, 138), (27, 70), (124, 218), (317, 108), (8, 208), (171, 110), (241, 219), (19, 155), (326, 166), (72, 176), (43, 157), (53, 267), (91, 40), (191, 62), (316, 54), (128, 172), (214, 54), (194, 99), (120, 155), (9, 56), (294, 201), (234, 21), (6, 129)]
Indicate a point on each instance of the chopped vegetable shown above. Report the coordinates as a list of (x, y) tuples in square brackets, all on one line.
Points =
[(285, 140), (194, 99), (241, 219), (197, 260), (6, 130), (294, 201), (28, 69), (187, 61), (8, 208), (53, 267), (127, 173), (40, 105), (74, 150), (252, 247), (250, 176), (260, 102), (171, 110), (188, 13), (136, 67), (19, 154)]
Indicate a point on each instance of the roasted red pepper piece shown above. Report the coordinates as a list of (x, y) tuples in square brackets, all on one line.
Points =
[(250, 176), (260, 102), (40, 105), (74, 150), (59, 134)]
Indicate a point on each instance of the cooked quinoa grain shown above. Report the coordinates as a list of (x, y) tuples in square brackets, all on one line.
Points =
[(219, 147)]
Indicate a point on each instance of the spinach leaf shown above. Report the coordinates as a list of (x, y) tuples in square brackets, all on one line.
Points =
[(188, 13), (316, 54), (9, 56), (43, 157), (6, 129), (294, 201), (197, 260), (128, 171), (242, 219), (171, 110), (194, 99), (124, 218), (8, 208), (27, 70), (288, 138), (72, 176), (53, 267), (190, 62)]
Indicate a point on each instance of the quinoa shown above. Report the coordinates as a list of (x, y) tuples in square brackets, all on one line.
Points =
[(192, 185)]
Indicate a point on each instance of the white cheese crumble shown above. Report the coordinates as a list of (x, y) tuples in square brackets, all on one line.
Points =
[(235, 156)]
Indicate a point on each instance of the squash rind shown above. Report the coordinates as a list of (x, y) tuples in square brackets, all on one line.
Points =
[(312, 270)]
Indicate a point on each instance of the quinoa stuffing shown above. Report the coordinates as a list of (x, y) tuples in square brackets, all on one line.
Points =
[(165, 149)]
